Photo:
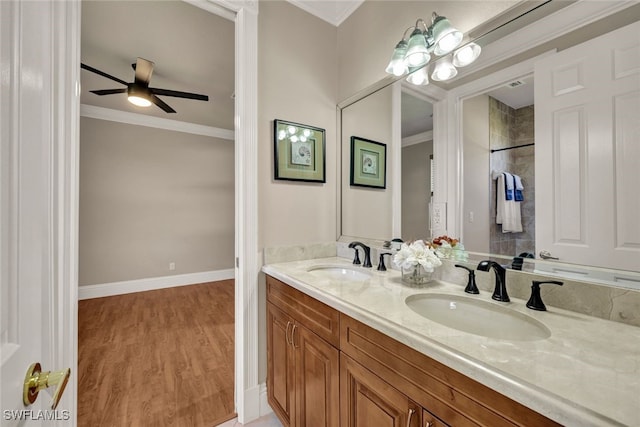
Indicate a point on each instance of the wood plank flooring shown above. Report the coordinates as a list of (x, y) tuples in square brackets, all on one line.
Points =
[(157, 358)]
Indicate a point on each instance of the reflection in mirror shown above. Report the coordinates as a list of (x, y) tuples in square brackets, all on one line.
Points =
[(498, 138), (367, 212), (490, 238), (417, 158)]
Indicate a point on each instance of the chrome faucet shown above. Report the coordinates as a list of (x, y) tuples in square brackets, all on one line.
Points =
[(367, 253), (500, 291)]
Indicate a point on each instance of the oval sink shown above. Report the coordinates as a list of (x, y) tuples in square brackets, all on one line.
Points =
[(342, 273), (478, 317)]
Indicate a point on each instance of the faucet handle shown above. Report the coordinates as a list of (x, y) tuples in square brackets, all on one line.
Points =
[(381, 266), (471, 282), (535, 301)]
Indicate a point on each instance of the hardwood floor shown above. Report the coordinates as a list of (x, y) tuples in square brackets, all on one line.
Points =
[(157, 358)]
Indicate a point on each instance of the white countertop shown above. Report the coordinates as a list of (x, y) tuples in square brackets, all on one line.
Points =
[(587, 373)]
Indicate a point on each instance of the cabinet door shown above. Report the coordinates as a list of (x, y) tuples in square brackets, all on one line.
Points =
[(280, 364), (317, 367), (368, 401)]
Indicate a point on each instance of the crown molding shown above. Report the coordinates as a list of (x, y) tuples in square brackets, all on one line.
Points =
[(93, 112), (333, 12)]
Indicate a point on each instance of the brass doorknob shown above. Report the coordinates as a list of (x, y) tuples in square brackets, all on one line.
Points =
[(36, 380)]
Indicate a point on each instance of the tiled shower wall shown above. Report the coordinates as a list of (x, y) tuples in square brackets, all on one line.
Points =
[(509, 127)]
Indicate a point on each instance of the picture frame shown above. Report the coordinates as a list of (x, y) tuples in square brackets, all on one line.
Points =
[(368, 163), (299, 152)]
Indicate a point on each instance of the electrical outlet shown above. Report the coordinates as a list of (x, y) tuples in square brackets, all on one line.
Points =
[(172, 266), (438, 216), (471, 216)]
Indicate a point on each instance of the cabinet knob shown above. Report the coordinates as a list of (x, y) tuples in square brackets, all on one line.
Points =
[(411, 411)]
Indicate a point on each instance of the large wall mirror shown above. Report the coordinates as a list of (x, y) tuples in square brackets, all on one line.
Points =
[(444, 157)]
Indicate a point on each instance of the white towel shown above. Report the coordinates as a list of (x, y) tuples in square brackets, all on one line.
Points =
[(501, 203), (507, 211)]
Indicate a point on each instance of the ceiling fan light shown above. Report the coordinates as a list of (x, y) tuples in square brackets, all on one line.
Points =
[(138, 96), (139, 101), (444, 70), (466, 55), (446, 36)]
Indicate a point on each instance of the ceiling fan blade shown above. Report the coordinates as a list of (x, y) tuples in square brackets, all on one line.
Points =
[(160, 103), (109, 91), (178, 94), (102, 73), (144, 69)]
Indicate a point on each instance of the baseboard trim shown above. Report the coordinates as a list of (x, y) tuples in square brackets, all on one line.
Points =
[(265, 408), (140, 285)]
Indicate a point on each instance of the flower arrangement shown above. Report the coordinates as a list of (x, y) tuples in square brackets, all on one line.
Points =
[(449, 248), (417, 253)]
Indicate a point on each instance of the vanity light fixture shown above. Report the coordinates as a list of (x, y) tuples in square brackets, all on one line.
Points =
[(444, 70), (419, 77), (412, 55)]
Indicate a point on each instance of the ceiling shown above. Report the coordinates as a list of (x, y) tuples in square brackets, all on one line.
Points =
[(332, 11), (193, 51)]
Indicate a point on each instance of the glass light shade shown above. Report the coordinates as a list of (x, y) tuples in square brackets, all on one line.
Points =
[(291, 130), (139, 101), (444, 70), (281, 134), (303, 138), (466, 55), (419, 77), (306, 132), (446, 37), (294, 138), (417, 53), (396, 66)]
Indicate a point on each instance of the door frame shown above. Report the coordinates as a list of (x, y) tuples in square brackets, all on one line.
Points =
[(65, 131)]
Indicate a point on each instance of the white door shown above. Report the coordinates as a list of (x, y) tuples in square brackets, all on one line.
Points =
[(33, 304), (587, 131)]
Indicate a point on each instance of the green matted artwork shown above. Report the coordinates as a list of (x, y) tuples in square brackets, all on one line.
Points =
[(368, 163), (299, 152)]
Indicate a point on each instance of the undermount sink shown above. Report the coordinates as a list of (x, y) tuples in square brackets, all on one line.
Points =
[(341, 273), (478, 317)]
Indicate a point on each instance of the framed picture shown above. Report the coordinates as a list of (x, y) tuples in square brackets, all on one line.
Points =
[(368, 163), (299, 152)]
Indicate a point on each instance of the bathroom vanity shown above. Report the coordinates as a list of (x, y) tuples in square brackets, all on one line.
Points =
[(349, 346)]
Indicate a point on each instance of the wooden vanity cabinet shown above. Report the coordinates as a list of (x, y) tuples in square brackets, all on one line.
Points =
[(326, 369), (447, 395), (303, 377)]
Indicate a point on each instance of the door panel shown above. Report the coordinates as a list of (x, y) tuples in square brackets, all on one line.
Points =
[(317, 379), (587, 129), (369, 401), (280, 360), (25, 194)]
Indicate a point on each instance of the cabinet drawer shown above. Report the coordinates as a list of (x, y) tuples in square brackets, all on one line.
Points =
[(316, 316), (448, 394), (430, 420)]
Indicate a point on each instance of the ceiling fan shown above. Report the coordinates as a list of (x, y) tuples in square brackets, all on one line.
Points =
[(139, 93)]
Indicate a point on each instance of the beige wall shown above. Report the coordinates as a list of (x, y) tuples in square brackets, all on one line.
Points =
[(297, 81), (149, 197), (477, 179), (367, 212), (416, 190)]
